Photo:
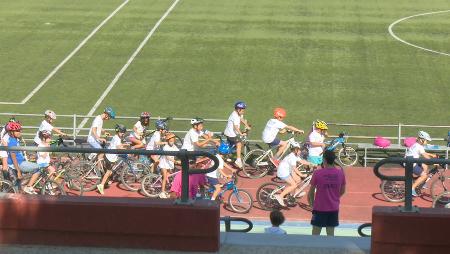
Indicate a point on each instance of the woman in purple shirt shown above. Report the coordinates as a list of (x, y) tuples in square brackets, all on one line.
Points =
[(327, 187)]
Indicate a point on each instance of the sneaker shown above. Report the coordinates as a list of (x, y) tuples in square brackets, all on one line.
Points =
[(29, 190), (100, 189), (238, 163), (279, 199), (275, 161), (414, 193), (163, 195)]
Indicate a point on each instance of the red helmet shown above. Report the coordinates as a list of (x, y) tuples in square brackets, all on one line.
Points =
[(279, 112), (145, 115), (13, 126)]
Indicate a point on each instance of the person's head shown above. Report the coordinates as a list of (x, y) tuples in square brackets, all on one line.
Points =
[(321, 126), (197, 123), (14, 129), (45, 136), (279, 113), (161, 126), (120, 130), (240, 107), (49, 116), (108, 113), (145, 118), (170, 138), (276, 218), (329, 157), (423, 137), (296, 148)]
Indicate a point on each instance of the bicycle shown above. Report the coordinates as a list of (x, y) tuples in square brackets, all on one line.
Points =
[(45, 184), (132, 173), (6, 186), (151, 184), (346, 155), (442, 200), (266, 192), (245, 145), (257, 162)]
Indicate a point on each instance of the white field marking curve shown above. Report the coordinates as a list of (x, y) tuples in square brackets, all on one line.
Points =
[(56, 69), (391, 26), (127, 64)]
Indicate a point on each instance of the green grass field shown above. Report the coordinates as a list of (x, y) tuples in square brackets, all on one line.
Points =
[(332, 60)]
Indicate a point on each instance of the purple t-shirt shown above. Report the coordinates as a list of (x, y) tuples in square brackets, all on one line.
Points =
[(328, 182)]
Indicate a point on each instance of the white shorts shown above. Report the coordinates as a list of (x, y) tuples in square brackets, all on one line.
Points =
[(94, 143), (3, 154)]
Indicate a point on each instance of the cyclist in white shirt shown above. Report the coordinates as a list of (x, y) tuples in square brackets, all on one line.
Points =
[(155, 142), (137, 136), (46, 125), (191, 140), (316, 142), (116, 143), (233, 131), (95, 139), (167, 163), (286, 171), (273, 127), (4, 139), (416, 151)]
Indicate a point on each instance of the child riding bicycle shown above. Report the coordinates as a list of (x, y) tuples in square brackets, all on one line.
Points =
[(46, 125), (167, 163), (273, 127), (155, 141), (95, 139), (286, 171), (136, 137), (212, 177), (316, 142)]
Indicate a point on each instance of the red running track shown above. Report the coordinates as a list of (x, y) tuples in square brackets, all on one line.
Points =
[(363, 192)]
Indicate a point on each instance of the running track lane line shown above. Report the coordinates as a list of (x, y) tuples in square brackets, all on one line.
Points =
[(56, 69), (125, 67)]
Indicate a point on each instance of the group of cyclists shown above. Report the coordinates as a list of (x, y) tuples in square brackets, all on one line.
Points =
[(14, 164)]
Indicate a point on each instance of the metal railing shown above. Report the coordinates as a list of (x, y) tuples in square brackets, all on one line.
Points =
[(227, 220), (182, 155)]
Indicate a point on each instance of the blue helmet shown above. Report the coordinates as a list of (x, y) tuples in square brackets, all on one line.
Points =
[(110, 112), (240, 105), (161, 125), (224, 148)]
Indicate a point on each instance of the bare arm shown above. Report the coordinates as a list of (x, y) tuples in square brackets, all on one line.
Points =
[(292, 128), (16, 165), (59, 132), (311, 193), (342, 191)]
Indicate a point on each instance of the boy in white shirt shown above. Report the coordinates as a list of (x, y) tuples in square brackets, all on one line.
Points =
[(46, 125), (167, 163), (233, 130), (95, 139), (416, 151), (155, 141), (191, 140), (316, 142), (137, 136), (276, 218), (116, 143), (273, 127)]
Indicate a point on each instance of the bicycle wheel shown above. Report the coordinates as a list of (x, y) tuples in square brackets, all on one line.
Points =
[(178, 142), (439, 185), (52, 188), (7, 187), (442, 200), (132, 174), (240, 201), (151, 185), (265, 196), (256, 164), (393, 191), (347, 156), (88, 174)]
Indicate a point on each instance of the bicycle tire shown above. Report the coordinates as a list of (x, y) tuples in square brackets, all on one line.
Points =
[(264, 196), (178, 142), (7, 187), (131, 177), (256, 164), (88, 174), (393, 191), (442, 200), (347, 156), (439, 185), (53, 188), (151, 185), (240, 202)]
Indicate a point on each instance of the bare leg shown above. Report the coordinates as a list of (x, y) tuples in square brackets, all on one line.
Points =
[(281, 148), (165, 177), (33, 179), (238, 150), (218, 188), (105, 177), (316, 230), (330, 231), (422, 177)]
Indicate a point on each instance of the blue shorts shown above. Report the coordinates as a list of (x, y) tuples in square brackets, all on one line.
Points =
[(275, 142), (212, 181), (43, 165), (316, 160), (325, 219), (417, 170)]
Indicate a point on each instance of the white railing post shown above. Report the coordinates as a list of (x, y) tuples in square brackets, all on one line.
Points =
[(74, 131), (399, 133)]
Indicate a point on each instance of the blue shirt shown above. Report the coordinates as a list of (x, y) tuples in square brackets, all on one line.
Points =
[(19, 155)]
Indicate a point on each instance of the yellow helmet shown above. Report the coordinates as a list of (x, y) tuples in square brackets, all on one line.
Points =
[(321, 125)]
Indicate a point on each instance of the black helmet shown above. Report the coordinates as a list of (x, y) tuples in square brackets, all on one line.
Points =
[(120, 128)]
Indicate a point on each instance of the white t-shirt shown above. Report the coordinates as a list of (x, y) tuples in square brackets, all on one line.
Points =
[(139, 130), (318, 138), (271, 130), (165, 161), (215, 173), (191, 137), (98, 122), (287, 165), (233, 120), (115, 142), (415, 150), (274, 230), (156, 137), (4, 139), (45, 126), (43, 157)]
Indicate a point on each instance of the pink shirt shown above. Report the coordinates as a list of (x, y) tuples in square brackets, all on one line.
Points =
[(328, 182)]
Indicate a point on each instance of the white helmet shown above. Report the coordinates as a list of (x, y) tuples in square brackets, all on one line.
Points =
[(296, 145), (50, 114), (424, 135), (196, 121)]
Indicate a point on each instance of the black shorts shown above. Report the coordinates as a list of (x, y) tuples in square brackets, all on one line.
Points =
[(233, 140), (325, 219)]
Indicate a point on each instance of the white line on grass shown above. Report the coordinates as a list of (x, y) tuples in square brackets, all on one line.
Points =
[(56, 69), (125, 67), (409, 43)]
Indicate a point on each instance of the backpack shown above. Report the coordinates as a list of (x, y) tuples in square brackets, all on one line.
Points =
[(409, 141), (382, 142)]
